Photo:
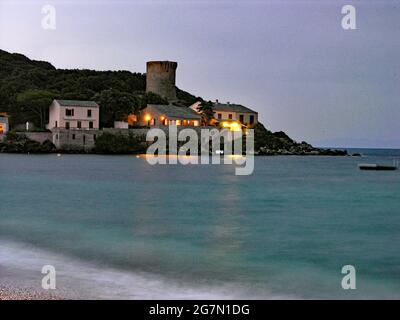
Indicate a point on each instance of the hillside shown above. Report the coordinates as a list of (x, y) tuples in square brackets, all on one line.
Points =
[(19, 76), (27, 88)]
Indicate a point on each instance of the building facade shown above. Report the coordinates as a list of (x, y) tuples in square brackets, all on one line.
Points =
[(163, 115), (227, 112), (74, 114)]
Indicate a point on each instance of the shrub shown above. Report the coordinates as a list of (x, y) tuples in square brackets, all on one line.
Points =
[(109, 143)]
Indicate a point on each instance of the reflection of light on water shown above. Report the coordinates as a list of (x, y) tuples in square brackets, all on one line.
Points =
[(190, 158), (227, 228), (144, 155), (236, 156)]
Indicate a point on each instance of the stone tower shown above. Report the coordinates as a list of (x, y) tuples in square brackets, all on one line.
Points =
[(160, 78)]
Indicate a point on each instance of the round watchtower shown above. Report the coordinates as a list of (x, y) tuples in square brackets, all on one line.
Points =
[(160, 78)]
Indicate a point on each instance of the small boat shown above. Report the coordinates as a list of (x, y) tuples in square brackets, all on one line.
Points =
[(377, 167)]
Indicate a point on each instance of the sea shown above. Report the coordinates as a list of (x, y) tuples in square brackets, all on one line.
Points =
[(116, 227)]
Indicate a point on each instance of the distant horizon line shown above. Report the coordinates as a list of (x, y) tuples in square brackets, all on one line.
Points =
[(361, 148)]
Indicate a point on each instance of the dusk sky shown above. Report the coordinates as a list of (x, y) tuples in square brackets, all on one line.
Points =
[(290, 60)]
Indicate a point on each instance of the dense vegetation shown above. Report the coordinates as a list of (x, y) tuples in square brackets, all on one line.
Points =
[(19, 143), (109, 143), (27, 87)]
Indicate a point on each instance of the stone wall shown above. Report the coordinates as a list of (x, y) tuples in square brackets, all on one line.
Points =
[(75, 139), (143, 131), (37, 136), (84, 140)]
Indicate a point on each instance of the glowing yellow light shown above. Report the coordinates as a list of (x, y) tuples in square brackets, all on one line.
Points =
[(196, 123), (233, 126), (147, 118), (225, 124), (162, 118)]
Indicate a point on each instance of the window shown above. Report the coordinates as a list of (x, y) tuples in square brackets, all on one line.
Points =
[(241, 118), (94, 137), (230, 116), (56, 124), (251, 118), (67, 125), (73, 136), (219, 115), (90, 124), (84, 139), (89, 113), (79, 125), (69, 112)]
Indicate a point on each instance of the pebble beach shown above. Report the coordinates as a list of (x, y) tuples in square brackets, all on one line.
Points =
[(12, 293)]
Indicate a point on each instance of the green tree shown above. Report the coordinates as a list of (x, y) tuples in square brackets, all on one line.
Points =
[(37, 103), (152, 98), (115, 106), (109, 143), (206, 111)]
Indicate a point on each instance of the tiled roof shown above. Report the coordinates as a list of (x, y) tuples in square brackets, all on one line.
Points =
[(231, 108), (77, 103), (171, 111)]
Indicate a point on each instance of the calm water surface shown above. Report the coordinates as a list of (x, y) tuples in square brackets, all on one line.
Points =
[(116, 227)]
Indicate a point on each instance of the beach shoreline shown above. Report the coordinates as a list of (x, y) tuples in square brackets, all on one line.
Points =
[(16, 293)]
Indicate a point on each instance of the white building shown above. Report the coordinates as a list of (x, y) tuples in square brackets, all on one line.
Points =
[(73, 114)]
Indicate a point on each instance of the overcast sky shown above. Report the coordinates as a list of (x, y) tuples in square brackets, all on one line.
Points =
[(290, 60)]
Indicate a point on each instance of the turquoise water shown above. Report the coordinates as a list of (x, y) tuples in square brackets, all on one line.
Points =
[(116, 227)]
